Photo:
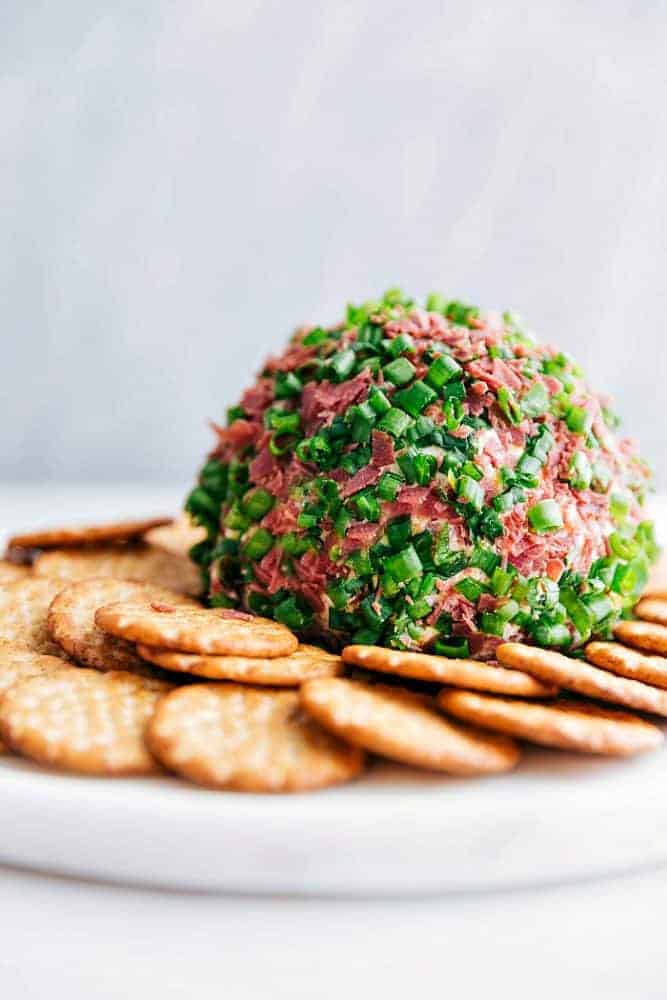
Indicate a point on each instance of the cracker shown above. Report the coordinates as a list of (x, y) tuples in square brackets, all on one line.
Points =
[(404, 727), (71, 621), (628, 662), (122, 562), (566, 725), (650, 637), (18, 661), (85, 534), (83, 721), (461, 673), (177, 537), (196, 630), (584, 678), (305, 664), (250, 739), (652, 609), (10, 572), (24, 607)]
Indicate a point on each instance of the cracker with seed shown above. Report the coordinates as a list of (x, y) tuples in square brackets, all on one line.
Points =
[(652, 609), (24, 607), (88, 534), (137, 561), (196, 630), (648, 636), (563, 724), (584, 678), (11, 572), (18, 661), (620, 659), (177, 537), (249, 739), (305, 664), (461, 673), (82, 721), (71, 621), (405, 727)]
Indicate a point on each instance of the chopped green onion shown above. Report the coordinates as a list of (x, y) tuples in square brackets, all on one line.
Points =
[(259, 543), (341, 364), (580, 472), (342, 522), (502, 580), (257, 503), (360, 561), (536, 401), (545, 516), (316, 336), (395, 422), (378, 401), (578, 420), (471, 589), (288, 384), (599, 606), (469, 491), (552, 635), (295, 545), (388, 486), (441, 371), (492, 623), (619, 507), (453, 648), (415, 399), (202, 506), (399, 345), (399, 532), (290, 614), (485, 559), (400, 371), (623, 547), (509, 405), (404, 565), (367, 506), (579, 614)]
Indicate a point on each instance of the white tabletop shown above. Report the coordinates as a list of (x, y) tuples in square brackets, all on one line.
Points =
[(66, 938)]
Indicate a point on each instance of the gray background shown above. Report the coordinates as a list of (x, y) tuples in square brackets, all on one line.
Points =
[(183, 182)]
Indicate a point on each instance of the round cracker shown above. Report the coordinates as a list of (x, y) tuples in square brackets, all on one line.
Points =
[(86, 534), (83, 721), (652, 609), (461, 673), (643, 635), (177, 537), (18, 661), (405, 727), (24, 607), (249, 739), (196, 630), (566, 725), (11, 572), (584, 678), (138, 562), (305, 664), (71, 621), (619, 659)]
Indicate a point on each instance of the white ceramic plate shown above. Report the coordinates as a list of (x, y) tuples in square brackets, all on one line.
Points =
[(557, 817)]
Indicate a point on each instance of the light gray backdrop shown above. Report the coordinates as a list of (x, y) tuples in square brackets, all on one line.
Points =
[(183, 182)]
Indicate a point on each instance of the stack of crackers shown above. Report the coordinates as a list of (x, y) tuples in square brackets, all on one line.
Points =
[(109, 665)]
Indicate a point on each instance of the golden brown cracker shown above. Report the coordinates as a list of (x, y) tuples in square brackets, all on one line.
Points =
[(24, 607), (460, 673), (177, 537), (18, 661), (566, 725), (71, 621), (404, 727), (83, 721), (196, 630), (652, 609), (280, 671), (138, 562), (249, 739), (648, 636), (85, 534), (627, 662), (584, 678), (11, 572)]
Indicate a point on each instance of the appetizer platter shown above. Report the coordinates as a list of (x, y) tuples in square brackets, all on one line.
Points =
[(416, 578)]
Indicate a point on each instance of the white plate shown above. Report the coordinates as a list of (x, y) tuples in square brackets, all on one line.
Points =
[(557, 817)]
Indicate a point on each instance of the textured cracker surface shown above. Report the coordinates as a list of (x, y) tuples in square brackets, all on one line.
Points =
[(627, 662), (652, 609), (196, 630), (86, 534), (643, 635), (71, 621), (562, 724), (18, 661), (24, 607), (405, 727), (177, 537), (584, 678), (12, 572), (123, 562), (251, 739), (289, 671), (461, 673), (82, 720)]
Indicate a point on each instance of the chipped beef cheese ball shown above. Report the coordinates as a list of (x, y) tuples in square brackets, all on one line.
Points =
[(424, 478)]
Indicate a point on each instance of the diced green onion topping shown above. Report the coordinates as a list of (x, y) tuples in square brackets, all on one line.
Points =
[(259, 543), (341, 364), (578, 420), (545, 516), (257, 503), (288, 384), (441, 371), (536, 401), (316, 336), (470, 491), (471, 589), (395, 422), (388, 486), (404, 565), (367, 506), (580, 472), (454, 648), (400, 371), (289, 613), (415, 398), (399, 345), (552, 635), (509, 405), (378, 401)]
